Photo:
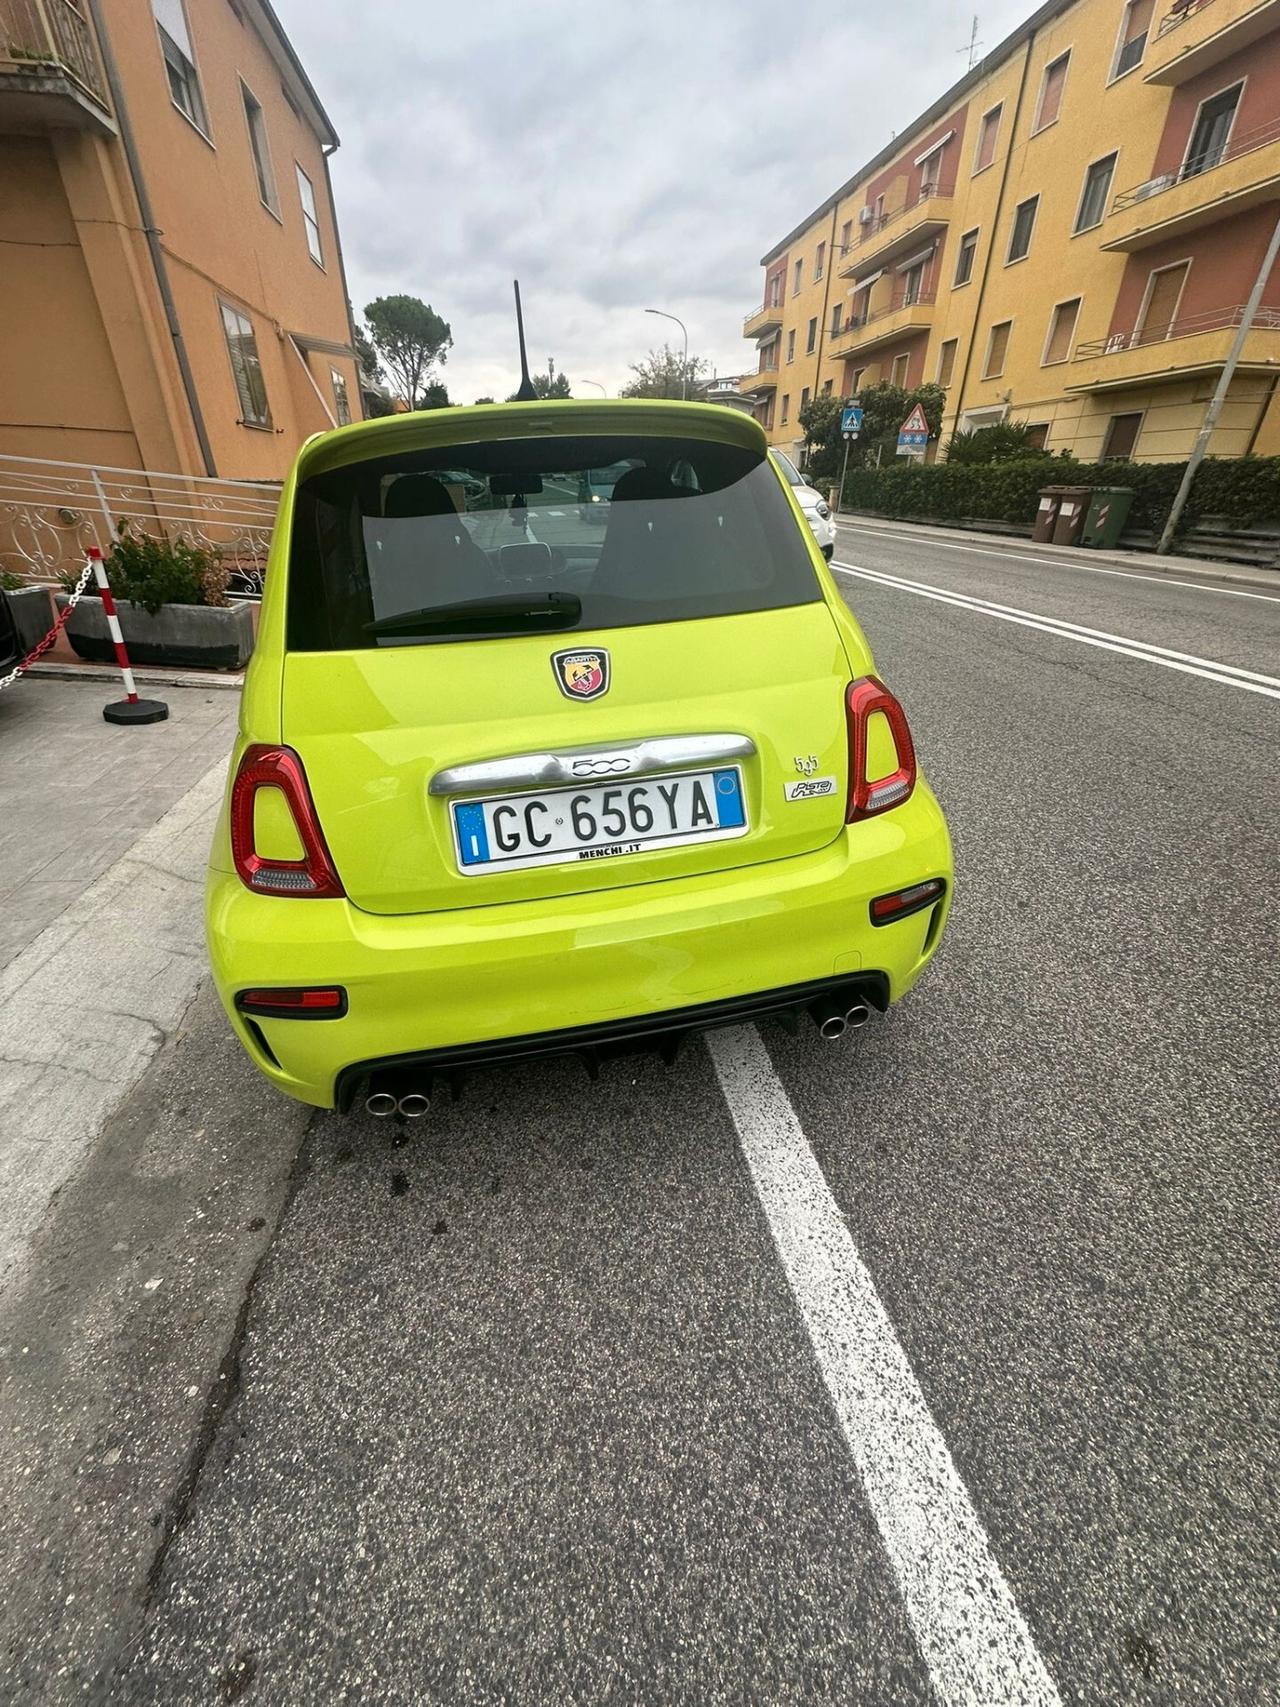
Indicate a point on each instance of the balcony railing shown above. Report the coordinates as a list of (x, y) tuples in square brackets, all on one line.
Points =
[(1179, 14), (1210, 320), (51, 32), (764, 308), (1245, 143), (860, 322), (933, 198)]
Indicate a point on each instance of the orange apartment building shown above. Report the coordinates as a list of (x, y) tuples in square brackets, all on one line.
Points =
[(171, 281), (1066, 238)]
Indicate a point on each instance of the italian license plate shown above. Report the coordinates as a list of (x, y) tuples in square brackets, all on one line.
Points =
[(603, 821)]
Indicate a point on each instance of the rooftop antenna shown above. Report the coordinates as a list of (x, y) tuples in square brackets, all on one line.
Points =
[(972, 45), (526, 393)]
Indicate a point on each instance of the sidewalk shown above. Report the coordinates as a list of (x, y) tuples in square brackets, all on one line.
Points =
[(1137, 562), (102, 858)]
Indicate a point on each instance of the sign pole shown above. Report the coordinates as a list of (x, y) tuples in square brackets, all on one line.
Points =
[(843, 473)]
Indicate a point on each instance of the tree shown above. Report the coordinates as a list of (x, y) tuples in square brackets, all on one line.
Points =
[(820, 419), (546, 386), (484, 399), (434, 396), (1006, 441), (661, 372), (884, 408), (370, 367), (410, 337)]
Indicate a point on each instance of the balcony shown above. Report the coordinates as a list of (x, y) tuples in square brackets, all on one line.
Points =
[(760, 320), (50, 74), (1188, 348), (902, 318), (1244, 173), (1200, 34), (882, 240)]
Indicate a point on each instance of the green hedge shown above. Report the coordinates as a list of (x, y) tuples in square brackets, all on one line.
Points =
[(1245, 490)]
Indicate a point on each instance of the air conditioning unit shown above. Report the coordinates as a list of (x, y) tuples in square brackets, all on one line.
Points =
[(865, 215), (1153, 187)]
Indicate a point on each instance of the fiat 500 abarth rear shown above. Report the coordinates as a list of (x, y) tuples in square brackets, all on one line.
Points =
[(519, 774)]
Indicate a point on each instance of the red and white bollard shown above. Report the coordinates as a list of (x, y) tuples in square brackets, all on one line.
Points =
[(131, 709)]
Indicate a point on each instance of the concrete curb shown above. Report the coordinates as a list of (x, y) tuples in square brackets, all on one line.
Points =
[(85, 1007), (144, 675), (1140, 562)]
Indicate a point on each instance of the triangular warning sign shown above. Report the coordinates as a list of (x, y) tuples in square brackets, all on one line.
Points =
[(915, 422)]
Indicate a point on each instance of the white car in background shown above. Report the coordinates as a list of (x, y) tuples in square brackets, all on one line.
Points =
[(816, 509)]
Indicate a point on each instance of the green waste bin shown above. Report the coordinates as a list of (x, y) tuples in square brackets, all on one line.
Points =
[(1105, 518)]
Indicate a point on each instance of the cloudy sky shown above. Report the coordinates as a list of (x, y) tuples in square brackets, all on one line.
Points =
[(614, 157)]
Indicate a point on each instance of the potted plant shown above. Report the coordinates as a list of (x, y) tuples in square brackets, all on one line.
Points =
[(172, 602)]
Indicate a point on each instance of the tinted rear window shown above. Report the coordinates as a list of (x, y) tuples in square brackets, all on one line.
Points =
[(639, 529)]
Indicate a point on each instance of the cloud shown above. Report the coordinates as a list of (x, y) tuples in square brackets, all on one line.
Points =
[(614, 156)]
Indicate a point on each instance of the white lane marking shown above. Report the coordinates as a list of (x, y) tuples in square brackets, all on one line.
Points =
[(970, 1633), (1229, 675), (1157, 576)]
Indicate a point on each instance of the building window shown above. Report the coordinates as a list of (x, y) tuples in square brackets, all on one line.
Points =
[(791, 345), (1163, 298), (797, 275), (180, 62), (1024, 222), (1211, 132), (1062, 329), (912, 284), (1093, 198), (811, 338), (1122, 437), (1037, 435), (1050, 103), (835, 319), (898, 373), (964, 260), (819, 261), (846, 236), (1133, 36), (246, 368), (947, 362), (826, 387), (341, 401), (254, 119), (988, 136), (997, 350), (786, 406), (308, 198), (777, 285), (804, 399), (855, 384)]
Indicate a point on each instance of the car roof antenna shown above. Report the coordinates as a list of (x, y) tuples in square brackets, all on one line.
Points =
[(526, 393)]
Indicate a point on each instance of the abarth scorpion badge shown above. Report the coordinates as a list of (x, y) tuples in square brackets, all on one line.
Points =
[(582, 675)]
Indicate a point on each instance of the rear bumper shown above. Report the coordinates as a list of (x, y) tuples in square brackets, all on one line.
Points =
[(440, 983)]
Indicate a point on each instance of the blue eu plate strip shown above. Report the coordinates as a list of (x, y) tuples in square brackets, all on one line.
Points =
[(729, 800), (473, 838)]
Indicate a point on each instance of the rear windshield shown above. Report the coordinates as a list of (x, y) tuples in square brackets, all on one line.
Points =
[(631, 530)]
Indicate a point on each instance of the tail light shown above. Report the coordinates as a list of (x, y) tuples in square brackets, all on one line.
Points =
[(863, 700), (886, 909), (314, 875), (329, 1001)]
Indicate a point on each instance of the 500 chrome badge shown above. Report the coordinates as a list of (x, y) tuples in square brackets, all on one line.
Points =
[(582, 674)]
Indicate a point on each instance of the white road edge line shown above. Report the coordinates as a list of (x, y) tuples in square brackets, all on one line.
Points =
[(1229, 675), (967, 1625), (1158, 576)]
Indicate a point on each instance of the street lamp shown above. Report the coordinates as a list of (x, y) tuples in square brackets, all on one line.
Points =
[(600, 388), (684, 371)]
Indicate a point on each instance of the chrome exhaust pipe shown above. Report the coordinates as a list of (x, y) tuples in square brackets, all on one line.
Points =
[(828, 1016), (857, 1016), (413, 1105), (380, 1104)]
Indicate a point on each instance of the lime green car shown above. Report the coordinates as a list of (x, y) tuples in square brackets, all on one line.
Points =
[(517, 777)]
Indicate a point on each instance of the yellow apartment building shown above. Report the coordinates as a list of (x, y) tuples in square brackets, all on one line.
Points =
[(171, 282), (1066, 238)]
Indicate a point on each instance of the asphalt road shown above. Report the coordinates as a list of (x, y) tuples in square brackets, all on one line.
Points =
[(935, 1364)]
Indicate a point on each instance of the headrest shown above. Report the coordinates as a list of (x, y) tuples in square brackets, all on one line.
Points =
[(418, 495), (643, 483)]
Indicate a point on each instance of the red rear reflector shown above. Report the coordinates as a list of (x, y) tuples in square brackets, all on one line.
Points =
[(886, 908), (314, 875), (329, 1002), (863, 699)]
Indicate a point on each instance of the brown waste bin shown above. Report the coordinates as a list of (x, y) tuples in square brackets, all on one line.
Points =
[(1047, 513), (1072, 507)]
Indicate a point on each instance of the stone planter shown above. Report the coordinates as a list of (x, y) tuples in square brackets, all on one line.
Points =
[(207, 637), (32, 609)]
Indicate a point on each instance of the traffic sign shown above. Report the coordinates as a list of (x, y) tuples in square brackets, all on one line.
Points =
[(851, 419), (913, 434)]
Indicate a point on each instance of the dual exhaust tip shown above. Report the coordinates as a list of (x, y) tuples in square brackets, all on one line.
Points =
[(411, 1104)]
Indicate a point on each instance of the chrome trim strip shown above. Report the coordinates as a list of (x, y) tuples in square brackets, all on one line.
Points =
[(591, 764)]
